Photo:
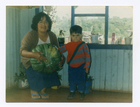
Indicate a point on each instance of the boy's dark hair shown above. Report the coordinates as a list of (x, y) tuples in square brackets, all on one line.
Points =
[(37, 18), (76, 29)]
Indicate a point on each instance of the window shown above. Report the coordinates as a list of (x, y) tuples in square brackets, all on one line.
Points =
[(120, 24), (111, 38)]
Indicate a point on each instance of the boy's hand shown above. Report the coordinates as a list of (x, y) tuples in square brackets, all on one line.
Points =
[(86, 70)]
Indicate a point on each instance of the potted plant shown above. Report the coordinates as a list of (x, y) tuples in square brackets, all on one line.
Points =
[(21, 79)]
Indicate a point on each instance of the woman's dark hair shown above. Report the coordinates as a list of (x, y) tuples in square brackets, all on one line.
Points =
[(37, 18), (76, 29)]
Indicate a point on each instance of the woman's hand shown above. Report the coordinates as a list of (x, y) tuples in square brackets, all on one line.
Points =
[(61, 62), (36, 55), (39, 56)]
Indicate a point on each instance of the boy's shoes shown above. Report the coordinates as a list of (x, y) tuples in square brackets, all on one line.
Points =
[(71, 96), (81, 96)]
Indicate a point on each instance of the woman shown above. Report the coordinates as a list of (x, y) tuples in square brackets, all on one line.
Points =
[(40, 33)]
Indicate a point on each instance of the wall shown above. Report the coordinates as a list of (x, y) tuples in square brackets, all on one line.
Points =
[(18, 23), (110, 69)]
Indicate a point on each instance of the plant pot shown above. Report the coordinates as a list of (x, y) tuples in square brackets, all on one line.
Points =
[(88, 87), (128, 40), (94, 39), (22, 84)]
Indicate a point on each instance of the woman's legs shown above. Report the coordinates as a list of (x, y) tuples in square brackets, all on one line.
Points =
[(36, 83), (43, 93), (39, 81), (34, 94)]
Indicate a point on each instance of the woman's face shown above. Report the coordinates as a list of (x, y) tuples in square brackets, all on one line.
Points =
[(43, 25)]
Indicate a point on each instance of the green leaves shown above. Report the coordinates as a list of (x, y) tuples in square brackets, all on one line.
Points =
[(21, 76)]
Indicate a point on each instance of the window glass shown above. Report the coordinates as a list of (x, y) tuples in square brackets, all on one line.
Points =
[(93, 29), (120, 25), (89, 9)]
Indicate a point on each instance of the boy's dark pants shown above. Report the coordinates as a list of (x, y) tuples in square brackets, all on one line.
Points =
[(77, 77)]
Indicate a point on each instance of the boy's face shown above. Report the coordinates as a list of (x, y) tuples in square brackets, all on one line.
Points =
[(76, 37)]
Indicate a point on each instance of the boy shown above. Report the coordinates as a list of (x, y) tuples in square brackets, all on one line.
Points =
[(78, 60)]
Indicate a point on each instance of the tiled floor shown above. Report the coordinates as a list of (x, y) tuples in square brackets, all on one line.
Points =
[(60, 95)]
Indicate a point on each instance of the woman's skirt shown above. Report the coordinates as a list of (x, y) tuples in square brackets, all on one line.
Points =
[(37, 81)]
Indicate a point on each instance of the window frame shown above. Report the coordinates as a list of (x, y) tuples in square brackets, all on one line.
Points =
[(100, 46)]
